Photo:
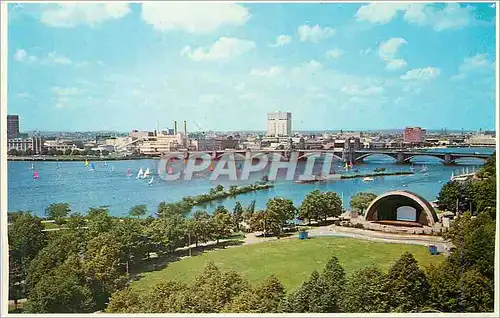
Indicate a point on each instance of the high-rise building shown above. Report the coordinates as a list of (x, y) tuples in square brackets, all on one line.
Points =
[(12, 126), (279, 124), (414, 134)]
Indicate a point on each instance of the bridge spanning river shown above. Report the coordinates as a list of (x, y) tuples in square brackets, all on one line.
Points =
[(347, 155)]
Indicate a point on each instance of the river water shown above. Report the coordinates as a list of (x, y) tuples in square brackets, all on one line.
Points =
[(109, 186)]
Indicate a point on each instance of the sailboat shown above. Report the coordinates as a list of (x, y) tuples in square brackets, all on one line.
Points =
[(346, 166), (452, 176), (146, 173), (112, 168), (35, 175), (169, 170), (424, 169), (86, 163), (212, 166), (105, 164), (412, 169), (92, 167), (129, 172), (140, 173), (151, 181), (32, 166)]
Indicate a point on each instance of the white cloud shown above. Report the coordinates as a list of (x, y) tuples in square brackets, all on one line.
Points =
[(23, 56), (282, 40), (380, 13), (272, 71), (223, 48), (54, 57), (478, 62), (451, 16), (64, 95), (356, 90), (388, 50), (396, 64), (315, 34), (193, 17), (427, 73), (68, 15), (333, 54)]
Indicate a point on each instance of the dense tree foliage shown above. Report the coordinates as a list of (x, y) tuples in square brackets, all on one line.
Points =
[(364, 291), (319, 206), (361, 201), (138, 211), (57, 211)]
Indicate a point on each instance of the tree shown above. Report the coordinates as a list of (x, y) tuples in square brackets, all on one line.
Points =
[(58, 211), (407, 285), (247, 214), (361, 201), (166, 297), (221, 221), (67, 152), (489, 168), (280, 210), (475, 242), (26, 239), (61, 290), (444, 291), (448, 196), (219, 188), (166, 210), (333, 204), (479, 293), (364, 291), (138, 211), (334, 276), (311, 297), (125, 301), (99, 220), (312, 206), (168, 233), (237, 216), (213, 289), (135, 244), (265, 298), (201, 227)]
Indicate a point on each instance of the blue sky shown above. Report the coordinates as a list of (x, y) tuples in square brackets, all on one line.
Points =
[(119, 66)]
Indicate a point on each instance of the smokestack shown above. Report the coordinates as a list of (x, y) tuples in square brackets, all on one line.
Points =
[(175, 127), (185, 133)]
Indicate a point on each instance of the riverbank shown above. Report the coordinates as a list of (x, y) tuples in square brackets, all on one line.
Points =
[(381, 174)]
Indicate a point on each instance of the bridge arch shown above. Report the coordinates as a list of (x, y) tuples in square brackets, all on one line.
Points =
[(409, 159), (385, 208), (364, 156), (323, 154)]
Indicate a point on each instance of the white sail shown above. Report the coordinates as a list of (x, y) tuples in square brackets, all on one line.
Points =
[(139, 174), (152, 179), (146, 174)]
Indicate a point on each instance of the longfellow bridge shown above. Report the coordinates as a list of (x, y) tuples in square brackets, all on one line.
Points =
[(348, 155)]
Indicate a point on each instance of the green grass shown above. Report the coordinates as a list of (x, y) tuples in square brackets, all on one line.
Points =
[(291, 260)]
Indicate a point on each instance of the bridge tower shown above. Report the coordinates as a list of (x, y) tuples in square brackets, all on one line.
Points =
[(447, 159), (348, 152), (400, 158)]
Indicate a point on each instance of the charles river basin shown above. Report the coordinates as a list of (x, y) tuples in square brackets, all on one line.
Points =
[(109, 186)]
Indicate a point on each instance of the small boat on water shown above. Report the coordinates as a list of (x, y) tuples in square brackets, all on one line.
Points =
[(424, 169), (92, 167), (140, 173), (112, 168), (32, 166), (151, 181), (146, 173), (368, 179), (412, 169), (379, 169), (105, 164), (86, 163), (129, 172), (35, 175)]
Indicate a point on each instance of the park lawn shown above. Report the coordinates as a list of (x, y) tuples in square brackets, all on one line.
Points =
[(290, 260)]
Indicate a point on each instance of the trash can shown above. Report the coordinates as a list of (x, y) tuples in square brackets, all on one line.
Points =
[(433, 250), (302, 235)]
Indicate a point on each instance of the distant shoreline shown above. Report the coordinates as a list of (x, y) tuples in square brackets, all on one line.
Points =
[(51, 158)]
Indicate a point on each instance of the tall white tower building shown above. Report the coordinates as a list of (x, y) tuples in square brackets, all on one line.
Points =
[(279, 124)]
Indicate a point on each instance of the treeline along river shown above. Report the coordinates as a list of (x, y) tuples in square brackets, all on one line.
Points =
[(108, 185)]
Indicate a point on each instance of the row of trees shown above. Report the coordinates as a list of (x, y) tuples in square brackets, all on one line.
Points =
[(54, 152), (476, 195), (462, 283)]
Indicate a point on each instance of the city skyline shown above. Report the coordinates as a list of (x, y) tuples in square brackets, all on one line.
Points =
[(81, 67)]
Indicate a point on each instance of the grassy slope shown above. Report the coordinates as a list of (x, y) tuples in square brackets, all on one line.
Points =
[(292, 260)]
